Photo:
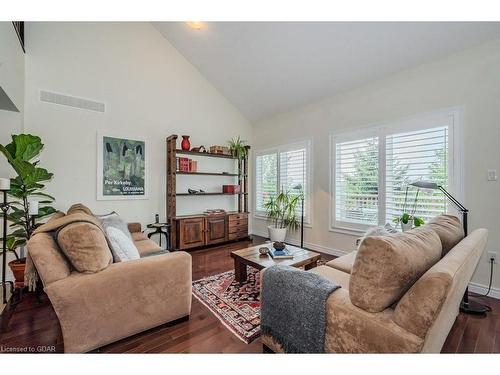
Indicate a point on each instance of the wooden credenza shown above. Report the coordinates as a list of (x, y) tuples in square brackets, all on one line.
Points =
[(190, 232)]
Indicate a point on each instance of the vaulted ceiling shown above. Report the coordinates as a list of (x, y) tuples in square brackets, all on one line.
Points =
[(265, 68)]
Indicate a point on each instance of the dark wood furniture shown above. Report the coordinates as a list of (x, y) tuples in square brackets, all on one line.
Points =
[(252, 257), (193, 231)]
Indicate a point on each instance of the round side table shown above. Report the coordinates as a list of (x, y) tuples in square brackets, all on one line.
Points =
[(161, 229)]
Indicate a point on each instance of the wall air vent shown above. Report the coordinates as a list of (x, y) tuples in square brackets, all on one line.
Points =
[(71, 101)]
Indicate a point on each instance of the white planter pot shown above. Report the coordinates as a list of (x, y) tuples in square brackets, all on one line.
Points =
[(407, 226), (276, 234)]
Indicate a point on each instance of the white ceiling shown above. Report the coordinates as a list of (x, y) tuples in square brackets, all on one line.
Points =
[(265, 68)]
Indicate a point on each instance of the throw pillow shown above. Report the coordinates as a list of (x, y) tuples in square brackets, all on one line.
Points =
[(85, 245), (449, 229), (387, 266), (122, 247), (115, 221)]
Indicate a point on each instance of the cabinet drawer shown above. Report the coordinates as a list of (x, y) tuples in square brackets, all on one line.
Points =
[(236, 217), (238, 223), (237, 235)]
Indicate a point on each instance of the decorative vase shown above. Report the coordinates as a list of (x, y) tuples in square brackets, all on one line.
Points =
[(185, 144), (407, 226), (17, 267), (276, 234)]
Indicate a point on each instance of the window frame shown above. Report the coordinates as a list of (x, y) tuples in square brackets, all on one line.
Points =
[(451, 118), (307, 144)]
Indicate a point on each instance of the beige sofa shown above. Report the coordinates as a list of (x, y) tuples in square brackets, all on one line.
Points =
[(126, 298), (421, 317)]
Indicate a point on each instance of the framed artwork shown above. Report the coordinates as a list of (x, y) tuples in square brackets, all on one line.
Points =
[(121, 167)]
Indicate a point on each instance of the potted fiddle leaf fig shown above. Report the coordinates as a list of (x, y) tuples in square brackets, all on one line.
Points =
[(281, 210), (28, 186)]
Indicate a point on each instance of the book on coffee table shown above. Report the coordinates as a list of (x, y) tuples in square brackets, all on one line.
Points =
[(281, 254)]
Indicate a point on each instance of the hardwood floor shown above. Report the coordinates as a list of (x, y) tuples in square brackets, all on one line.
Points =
[(33, 325)]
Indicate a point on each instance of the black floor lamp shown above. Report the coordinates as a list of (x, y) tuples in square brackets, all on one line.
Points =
[(468, 307), (299, 187), (4, 188)]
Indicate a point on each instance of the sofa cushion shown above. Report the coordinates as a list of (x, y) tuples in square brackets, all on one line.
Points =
[(122, 247), (387, 266), (138, 236), (85, 245), (147, 247), (343, 263), (79, 208), (336, 276), (449, 229)]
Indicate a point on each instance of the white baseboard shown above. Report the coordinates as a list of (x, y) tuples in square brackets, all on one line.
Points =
[(308, 245), (482, 289)]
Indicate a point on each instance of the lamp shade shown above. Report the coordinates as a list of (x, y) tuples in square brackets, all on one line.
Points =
[(425, 185)]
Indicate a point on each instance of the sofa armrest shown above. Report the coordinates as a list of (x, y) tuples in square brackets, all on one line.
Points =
[(134, 227), (124, 299), (354, 330)]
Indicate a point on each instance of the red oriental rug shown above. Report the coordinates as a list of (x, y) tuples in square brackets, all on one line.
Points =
[(236, 305)]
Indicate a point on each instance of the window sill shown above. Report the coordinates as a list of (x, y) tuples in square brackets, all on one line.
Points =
[(348, 231), (307, 224)]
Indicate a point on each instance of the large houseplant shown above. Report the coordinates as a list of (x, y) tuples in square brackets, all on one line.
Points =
[(281, 210), (22, 154)]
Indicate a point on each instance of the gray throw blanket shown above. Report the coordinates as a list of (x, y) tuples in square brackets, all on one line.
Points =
[(293, 308)]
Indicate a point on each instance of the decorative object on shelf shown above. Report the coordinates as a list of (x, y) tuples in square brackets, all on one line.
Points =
[(219, 150), (186, 165), (263, 250), (199, 149), (409, 220), (157, 218), (185, 144), (281, 209), (193, 191), (466, 306), (238, 148), (121, 168), (24, 188), (231, 189), (161, 229)]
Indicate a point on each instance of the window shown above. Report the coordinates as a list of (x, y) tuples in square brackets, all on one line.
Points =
[(284, 168), (373, 169)]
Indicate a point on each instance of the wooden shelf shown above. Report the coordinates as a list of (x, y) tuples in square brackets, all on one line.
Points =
[(178, 151), (208, 174), (200, 194)]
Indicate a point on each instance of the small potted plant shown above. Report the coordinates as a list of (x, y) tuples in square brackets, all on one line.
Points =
[(23, 155), (238, 148), (281, 210), (408, 219)]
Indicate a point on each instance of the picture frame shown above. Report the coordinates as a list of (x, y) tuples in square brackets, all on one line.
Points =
[(122, 167)]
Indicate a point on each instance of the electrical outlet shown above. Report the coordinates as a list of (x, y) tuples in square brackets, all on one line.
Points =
[(492, 255)]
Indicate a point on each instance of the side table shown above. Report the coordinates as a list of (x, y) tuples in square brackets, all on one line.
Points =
[(161, 229)]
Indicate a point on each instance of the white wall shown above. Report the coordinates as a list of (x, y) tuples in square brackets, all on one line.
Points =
[(150, 91), (470, 79)]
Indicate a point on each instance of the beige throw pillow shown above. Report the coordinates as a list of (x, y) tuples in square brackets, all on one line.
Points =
[(387, 266), (85, 245), (449, 229)]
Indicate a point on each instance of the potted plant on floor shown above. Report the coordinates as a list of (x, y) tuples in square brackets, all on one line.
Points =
[(26, 189), (408, 219), (281, 210)]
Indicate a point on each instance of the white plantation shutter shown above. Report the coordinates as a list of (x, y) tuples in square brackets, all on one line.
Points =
[(293, 173), (266, 179), (412, 156), (356, 181), (283, 169)]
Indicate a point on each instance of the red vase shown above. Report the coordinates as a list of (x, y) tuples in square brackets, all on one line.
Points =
[(185, 145)]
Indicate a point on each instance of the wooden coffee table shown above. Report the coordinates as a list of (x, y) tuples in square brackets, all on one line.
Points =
[(252, 257)]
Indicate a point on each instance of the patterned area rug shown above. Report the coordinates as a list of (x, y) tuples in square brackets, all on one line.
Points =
[(236, 305)]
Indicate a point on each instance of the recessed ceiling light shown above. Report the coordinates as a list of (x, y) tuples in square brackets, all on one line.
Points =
[(195, 25)]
